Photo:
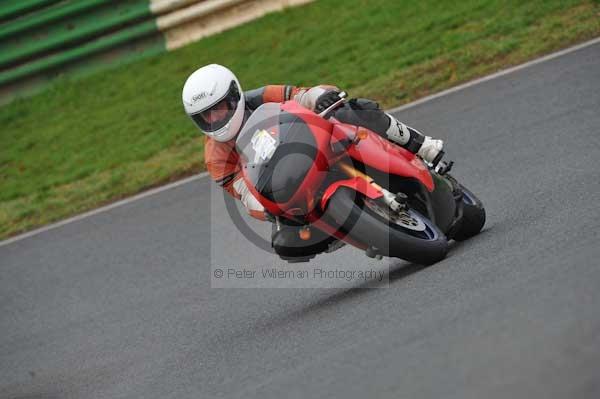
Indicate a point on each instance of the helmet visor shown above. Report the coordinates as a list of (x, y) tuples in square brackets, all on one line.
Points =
[(218, 115)]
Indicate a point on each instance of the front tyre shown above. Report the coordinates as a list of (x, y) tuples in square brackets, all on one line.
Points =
[(409, 236)]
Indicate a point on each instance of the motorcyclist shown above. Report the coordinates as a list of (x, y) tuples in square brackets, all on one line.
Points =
[(213, 98)]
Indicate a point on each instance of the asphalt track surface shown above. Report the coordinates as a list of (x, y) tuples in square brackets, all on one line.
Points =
[(120, 304)]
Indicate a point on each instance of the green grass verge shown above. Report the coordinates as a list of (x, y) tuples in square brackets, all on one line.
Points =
[(83, 143)]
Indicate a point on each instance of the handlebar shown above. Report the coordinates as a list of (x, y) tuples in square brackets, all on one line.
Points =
[(333, 106)]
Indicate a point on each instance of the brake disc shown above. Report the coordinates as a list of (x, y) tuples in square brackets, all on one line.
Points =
[(404, 218)]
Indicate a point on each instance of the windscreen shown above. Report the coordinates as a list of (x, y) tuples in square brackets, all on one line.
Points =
[(277, 149)]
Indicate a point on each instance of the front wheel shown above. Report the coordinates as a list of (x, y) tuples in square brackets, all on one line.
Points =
[(408, 235)]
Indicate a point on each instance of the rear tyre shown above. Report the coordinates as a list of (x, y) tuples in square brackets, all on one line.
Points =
[(473, 216), (412, 236)]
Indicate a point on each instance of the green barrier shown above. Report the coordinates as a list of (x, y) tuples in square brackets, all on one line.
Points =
[(105, 43), (11, 9), (86, 27), (43, 39), (47, 16)]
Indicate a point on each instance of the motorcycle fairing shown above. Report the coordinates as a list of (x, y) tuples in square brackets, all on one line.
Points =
[(293, 125), (357, 184), (379, 153)]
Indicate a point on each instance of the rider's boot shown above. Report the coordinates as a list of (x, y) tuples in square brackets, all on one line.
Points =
[(411, 139)]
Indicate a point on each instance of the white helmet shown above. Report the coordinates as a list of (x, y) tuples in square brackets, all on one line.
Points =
[(213, 98)]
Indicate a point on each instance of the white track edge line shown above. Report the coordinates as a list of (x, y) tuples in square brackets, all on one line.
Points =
[(496, 75), (396, 109), (104, 208)]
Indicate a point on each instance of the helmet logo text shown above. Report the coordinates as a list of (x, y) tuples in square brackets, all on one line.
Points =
[(204, 94)]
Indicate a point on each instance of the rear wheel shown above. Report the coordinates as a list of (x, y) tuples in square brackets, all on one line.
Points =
[(408, 235), (473, 216)]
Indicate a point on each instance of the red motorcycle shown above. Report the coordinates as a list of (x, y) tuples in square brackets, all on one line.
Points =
[(314, 171)]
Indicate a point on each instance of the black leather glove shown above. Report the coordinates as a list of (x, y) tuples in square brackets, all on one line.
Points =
[(326, 100)]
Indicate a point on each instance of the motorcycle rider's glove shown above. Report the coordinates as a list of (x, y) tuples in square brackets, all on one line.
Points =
[(326, 100)]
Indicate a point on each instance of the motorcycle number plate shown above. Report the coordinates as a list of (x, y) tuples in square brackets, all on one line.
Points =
[(264, 145)]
